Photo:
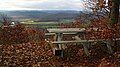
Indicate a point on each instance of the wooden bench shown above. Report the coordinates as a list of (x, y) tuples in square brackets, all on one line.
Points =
[(58, 44), (85, 44)]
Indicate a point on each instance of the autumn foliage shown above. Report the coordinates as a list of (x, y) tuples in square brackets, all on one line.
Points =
[(19, 34), (103, 30), (25, 47)]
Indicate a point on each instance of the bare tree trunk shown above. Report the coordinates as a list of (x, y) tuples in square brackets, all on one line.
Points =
[(114, 16), (114, 12)]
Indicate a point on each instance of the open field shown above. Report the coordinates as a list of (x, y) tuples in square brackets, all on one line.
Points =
[(41, 24)]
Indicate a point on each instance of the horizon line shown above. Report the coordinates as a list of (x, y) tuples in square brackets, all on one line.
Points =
[(46, 10)]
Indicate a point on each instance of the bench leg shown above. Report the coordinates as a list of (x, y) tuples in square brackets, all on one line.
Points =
[(60, 46), (109, 48), (109, 44), (54, 50), (86, 49)]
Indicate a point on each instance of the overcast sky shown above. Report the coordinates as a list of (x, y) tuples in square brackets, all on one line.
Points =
[(41, 5)]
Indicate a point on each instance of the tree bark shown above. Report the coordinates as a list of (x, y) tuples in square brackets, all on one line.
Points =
[(114, 16), (114, 12)]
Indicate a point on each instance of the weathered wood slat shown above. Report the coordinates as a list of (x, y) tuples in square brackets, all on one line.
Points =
[(80, 41), (66, 30), (49, 34), (75, 41)]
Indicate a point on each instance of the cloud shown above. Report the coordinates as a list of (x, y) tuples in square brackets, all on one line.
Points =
[(41, 4), (23, 0), (34, 0)]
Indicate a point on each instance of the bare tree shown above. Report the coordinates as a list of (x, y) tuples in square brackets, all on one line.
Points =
[(108, 7), (5, 20), (97, 5)]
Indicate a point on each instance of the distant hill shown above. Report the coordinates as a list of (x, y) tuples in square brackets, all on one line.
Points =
[(43, 15)]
